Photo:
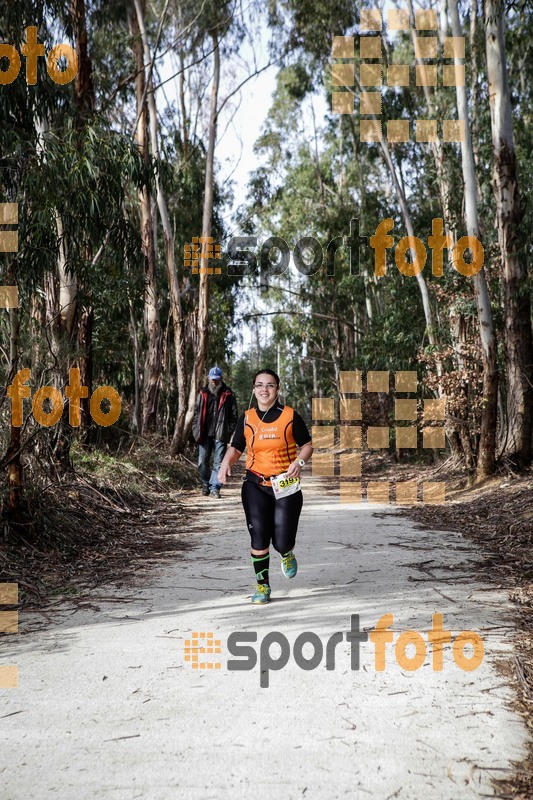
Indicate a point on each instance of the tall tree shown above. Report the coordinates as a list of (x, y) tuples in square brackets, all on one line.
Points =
[(517, 307), (85, 102), (202, 323), (152, 326), (168, 235), (487, 446)]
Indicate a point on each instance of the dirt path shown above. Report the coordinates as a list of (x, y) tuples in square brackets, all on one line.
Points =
[(107, 706)]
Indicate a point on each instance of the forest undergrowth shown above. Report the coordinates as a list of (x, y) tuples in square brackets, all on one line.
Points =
[(108, 519)]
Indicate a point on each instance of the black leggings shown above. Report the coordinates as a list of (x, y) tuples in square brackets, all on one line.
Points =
[(270, 519)]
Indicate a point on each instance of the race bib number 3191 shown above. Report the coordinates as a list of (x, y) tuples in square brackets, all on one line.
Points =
[(283, 485)]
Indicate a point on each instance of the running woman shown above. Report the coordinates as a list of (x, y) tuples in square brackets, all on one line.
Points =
[(269, 434)]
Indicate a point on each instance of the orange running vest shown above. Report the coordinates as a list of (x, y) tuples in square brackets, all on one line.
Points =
[(270, 446)]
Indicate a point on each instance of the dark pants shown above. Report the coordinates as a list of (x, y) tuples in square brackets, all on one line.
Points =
[(270, 519), (209, 477)]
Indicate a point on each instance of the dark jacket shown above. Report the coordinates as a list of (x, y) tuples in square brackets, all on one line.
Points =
[(226, 417)]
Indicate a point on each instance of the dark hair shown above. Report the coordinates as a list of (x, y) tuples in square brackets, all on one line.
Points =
[(266, 372)]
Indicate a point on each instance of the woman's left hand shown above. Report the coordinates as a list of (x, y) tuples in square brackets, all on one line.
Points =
[(294, 470)]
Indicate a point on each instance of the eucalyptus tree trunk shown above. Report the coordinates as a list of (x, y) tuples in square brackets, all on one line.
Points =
[(152, 326), (517, 308), (85, 103), (202, 325), (180, 434), (459, 433), (137, 419), (60, 292), (67, 280), (368, 300), (457, 423), (436, 147), (422, 285), (185, 125), (84, 82), (13, 450), (70, 323), (487, 444)]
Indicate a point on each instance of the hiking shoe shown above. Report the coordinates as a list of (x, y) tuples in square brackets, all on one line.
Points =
[(262, 594), (289, 566), (215, 493), (205, 491)]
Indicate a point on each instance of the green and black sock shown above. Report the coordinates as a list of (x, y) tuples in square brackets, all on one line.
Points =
[(261, 565), (285, 555)]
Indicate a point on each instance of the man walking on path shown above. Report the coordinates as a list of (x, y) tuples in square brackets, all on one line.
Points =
[(215, 419)]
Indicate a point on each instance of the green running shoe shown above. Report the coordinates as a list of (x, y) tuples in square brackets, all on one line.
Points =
[(289, 565), (262, 594)]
